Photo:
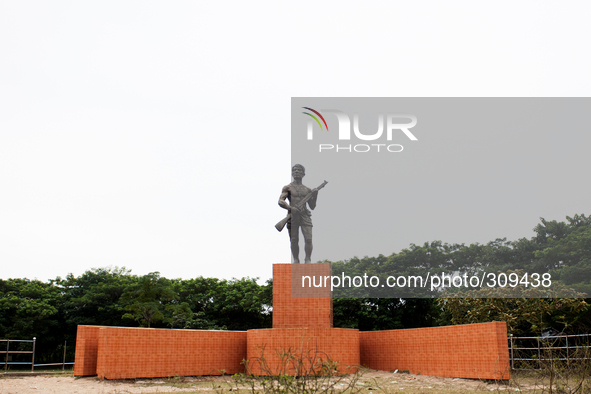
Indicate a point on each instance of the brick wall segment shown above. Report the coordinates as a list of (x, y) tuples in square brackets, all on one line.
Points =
[(290, 309), (477, 351), (86, 350), (269, 349), (127, 353)]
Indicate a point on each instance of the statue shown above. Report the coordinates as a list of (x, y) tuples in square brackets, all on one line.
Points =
[(299, 216)]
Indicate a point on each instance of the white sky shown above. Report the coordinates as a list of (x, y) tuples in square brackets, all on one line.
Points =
[(156, 135)]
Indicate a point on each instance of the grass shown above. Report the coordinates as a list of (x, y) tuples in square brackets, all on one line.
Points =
[(53, 371)]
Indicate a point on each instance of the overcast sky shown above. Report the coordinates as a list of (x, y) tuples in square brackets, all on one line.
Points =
[(156, 135)]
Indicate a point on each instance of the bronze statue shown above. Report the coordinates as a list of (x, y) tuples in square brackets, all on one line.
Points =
[(299, 216)]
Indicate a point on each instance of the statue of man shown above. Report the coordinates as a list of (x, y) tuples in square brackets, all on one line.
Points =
[(300, 218)]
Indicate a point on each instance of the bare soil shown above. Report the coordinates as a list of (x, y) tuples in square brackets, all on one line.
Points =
[(374, 381)]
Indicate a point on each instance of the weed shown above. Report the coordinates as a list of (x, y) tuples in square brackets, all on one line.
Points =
[(554, 368), (290, 371)]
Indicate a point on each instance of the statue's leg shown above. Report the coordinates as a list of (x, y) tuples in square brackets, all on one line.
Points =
[(307, 231), (295, 248)]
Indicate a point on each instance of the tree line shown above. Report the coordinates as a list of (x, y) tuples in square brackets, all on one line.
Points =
[(561, 249), (113, 296)]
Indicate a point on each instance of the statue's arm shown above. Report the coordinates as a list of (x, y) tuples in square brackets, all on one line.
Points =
[(283, 197)]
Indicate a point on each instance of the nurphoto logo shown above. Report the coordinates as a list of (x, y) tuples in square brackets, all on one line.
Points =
[(394, 124)]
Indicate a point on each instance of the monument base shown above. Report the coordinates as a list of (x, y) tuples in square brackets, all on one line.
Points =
[(301, 351), (297, 307), (302, 332)]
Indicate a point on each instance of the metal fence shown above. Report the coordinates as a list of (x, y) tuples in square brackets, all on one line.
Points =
[(25, 354), (524, 352), (532, 352)]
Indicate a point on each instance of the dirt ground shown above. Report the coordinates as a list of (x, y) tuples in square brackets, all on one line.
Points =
[(373, 381)]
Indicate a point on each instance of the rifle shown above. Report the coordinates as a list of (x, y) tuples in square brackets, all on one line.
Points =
[(301, 205)]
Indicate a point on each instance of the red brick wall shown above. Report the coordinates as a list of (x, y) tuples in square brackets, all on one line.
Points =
[(86, 350), (478, 351), (125, 353), (336, 344), (293, 312)]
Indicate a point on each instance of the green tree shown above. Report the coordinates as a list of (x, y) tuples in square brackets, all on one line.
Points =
[(179, 315), (146, 300), (525, 310), (570, 258), (237, 304), (28, 308), (93, 298), (370, 314)]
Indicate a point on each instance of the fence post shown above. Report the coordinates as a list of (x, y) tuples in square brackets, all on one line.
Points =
[(567, 353), (33, 358), (64, 359), (511, 341), (6, 357), (539, 354)]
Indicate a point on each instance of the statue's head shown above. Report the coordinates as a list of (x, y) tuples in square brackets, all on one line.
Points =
[(298, 171)]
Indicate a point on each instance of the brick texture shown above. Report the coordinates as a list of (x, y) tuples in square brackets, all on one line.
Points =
[(477, 351), (290, 308), (278, 351), (125, 353), (86, 350)]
